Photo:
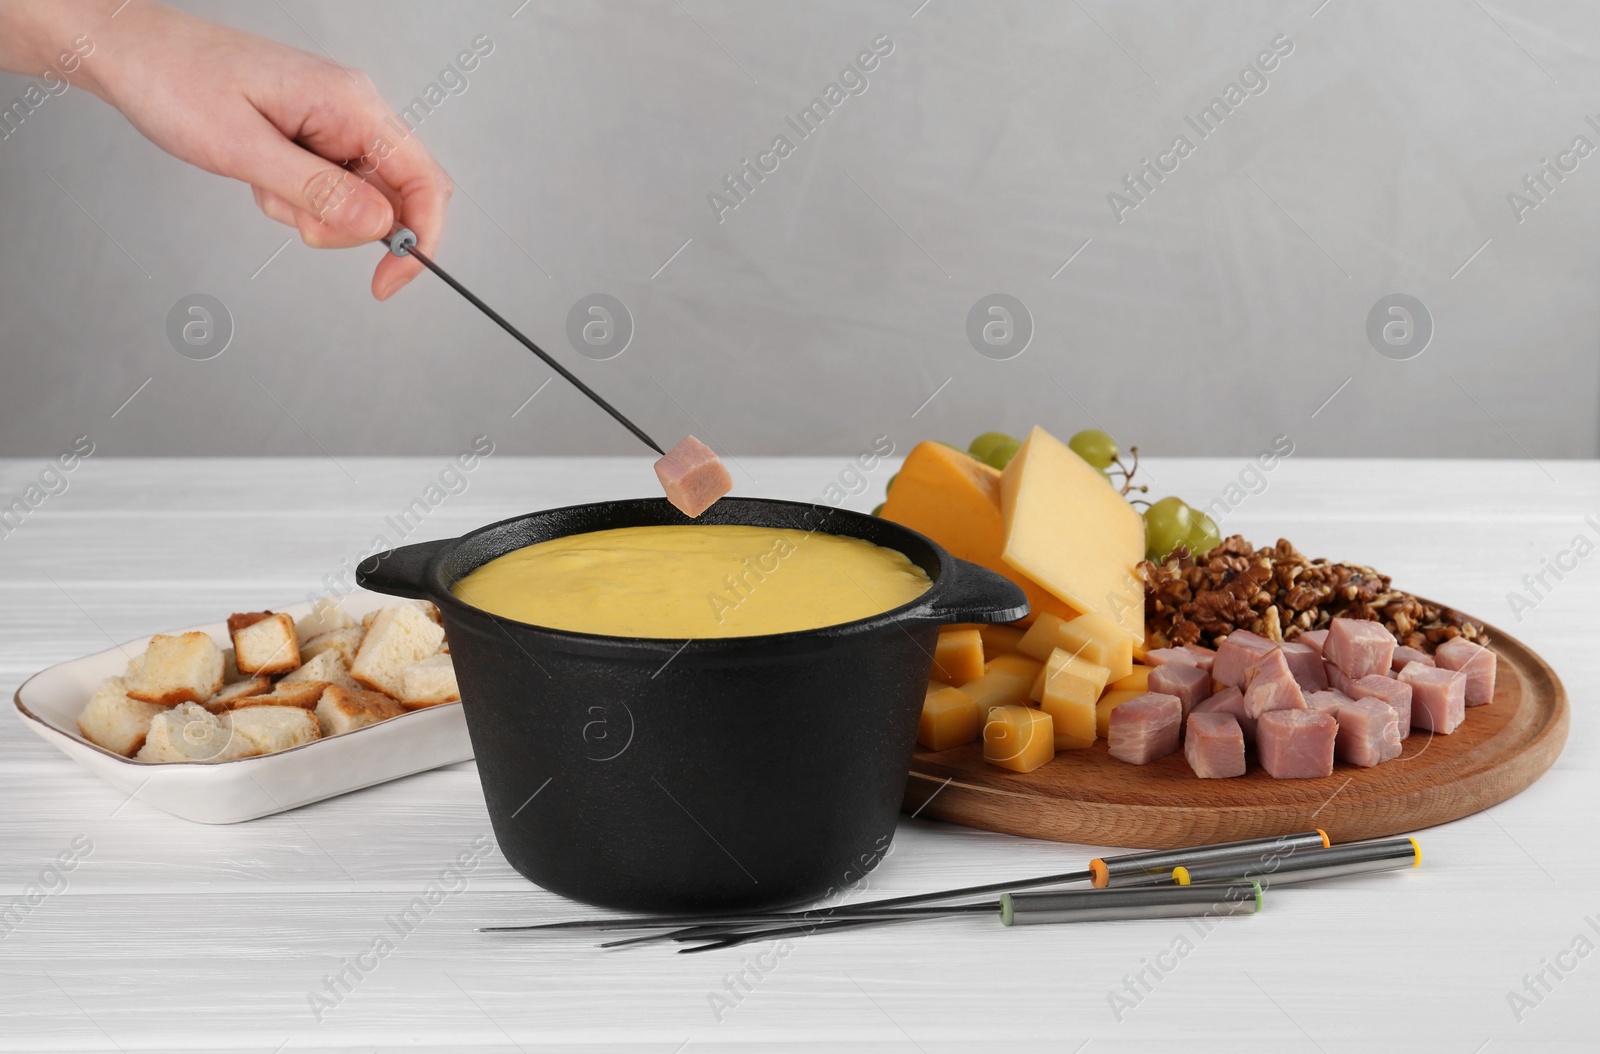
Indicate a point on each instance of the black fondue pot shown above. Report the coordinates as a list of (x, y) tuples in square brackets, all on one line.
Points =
[(667, 775)]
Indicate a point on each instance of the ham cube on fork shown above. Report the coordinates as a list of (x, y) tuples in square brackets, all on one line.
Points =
[(692, 476)]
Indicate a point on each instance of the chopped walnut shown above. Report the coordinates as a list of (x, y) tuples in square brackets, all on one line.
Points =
[(1279, 593)]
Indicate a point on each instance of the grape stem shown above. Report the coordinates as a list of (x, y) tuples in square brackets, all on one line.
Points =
[(1128, 471)]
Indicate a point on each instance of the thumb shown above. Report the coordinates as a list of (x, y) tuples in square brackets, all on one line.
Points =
[(313, 184)]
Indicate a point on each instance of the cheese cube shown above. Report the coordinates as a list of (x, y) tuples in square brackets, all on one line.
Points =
[(949, 719), (958, 657), (1018, 738), (1090, 636), (955, 500), (1139, 678), (1067, 528), (1072, 688), (1000, 640), (1006, 680), (1069, 676), (1109, 702)]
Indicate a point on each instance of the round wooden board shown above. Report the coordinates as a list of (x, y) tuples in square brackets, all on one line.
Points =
[(1088, 797)]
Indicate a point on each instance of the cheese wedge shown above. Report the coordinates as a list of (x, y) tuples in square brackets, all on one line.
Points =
[(955, 500), (1067, 529)]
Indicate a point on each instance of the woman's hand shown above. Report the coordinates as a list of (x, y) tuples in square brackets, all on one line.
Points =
[(320, 149)]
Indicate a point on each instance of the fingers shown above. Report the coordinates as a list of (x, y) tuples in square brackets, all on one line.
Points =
[(338, 208), (274, 207), (423, 189)]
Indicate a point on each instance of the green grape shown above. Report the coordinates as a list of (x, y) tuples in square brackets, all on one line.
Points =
[(1095, 447), (1168, 523), (984, 445), (879, 510), (1203, 534), (1000, 454)]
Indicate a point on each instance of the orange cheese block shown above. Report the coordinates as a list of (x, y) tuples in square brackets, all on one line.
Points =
[(1000, 640), (955, 500), (1006, 680), (949, 719), (1139, 679), (958, 657), (1067, 529), (1018, 738), (1069, 676)]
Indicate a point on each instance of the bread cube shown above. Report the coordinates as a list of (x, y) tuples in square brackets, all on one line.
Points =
[(186, 668), (269, 729), (346, 642), (190, 732), (401, 636), (325, 666), (343, 710), (326, 616), (231, 694), (303, 694), (430, 683), (264, 642), (116, 722)]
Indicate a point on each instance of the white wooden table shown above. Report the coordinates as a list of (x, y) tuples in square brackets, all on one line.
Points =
[(171, 935)]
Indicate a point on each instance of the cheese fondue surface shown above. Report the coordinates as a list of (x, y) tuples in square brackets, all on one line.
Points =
[(693, 581)]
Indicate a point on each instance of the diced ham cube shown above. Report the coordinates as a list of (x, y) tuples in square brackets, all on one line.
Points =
[(1270, 686), (1145, 729), (1388, 690), (1369, 732), (1234, 654), (1336, 677), (1156, 657), (692, 476), (1313, 638), (1189, 683), (1229, 701), (1213, 744), (1438, 697), (1358, 647), (1306, 665), (1403, 655), (1474, 660), (1296, 744), (1329, 700), (1206, 658)]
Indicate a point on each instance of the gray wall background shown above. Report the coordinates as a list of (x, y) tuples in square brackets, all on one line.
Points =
[(828, 307)]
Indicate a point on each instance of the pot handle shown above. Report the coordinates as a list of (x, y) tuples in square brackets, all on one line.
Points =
[(969, 593), (399, 572)]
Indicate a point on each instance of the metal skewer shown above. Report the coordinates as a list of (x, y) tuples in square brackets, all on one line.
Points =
[(1242, 897), (404, 243), (1148, 868)]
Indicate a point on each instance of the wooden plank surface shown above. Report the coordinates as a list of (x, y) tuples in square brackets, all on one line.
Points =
[(169, 935)]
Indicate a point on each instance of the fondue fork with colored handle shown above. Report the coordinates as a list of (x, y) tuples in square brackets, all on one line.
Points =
[(404, 243), (1149, 868), (1356, 858)]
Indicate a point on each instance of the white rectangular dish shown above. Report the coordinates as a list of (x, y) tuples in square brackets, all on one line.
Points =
[(245, 788)]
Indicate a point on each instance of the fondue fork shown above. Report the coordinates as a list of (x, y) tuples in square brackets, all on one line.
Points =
[(404, 243), (1132, 869)]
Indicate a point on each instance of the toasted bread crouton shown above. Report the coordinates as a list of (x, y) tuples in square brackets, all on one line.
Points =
[(114, 721), (182, 669), (190, 732), (344, 641), (233, 694), (325, 666), (230, 668), (269, 729), (345, 710), (303, 694), (400, 636), (429, 683), (264, 642), (427, 607), (325, 617)]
